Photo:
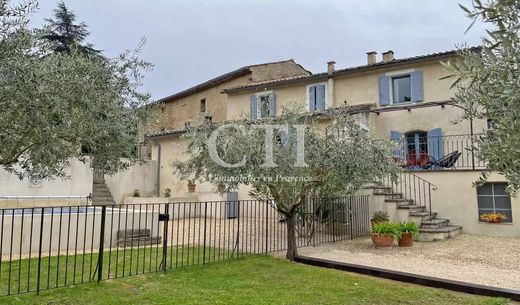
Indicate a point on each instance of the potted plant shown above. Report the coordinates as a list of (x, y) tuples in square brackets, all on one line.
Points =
[(493, 217), (379, 216), (383, 234), (407, 232), (221, 188), (136, 193), (167, 192), (191, 186)]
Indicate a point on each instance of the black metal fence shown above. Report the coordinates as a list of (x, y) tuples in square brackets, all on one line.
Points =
[(44, 248)]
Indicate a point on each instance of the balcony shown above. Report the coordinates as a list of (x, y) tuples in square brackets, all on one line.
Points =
[(419, 152)]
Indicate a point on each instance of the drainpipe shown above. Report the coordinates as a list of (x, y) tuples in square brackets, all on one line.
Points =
[(158, 178)]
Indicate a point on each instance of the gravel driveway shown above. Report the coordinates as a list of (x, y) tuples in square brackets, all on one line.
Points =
[(483, 260)]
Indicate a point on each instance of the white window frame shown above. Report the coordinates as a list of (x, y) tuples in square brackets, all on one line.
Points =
[(259, 95), (493, 196), (307, 99), (396, 74)]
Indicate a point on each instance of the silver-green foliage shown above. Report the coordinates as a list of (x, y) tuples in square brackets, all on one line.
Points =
[(53, 104), (488, 84)]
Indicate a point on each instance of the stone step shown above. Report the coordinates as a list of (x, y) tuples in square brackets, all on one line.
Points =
[(435, 223), (122, 234), (424, 215), (139, 241), (388, 193), (378, 188), (400, 201), (102, 198), (428, 235), (412, 208)]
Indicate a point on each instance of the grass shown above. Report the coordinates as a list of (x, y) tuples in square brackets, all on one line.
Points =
[(255, 280), (20, 276)]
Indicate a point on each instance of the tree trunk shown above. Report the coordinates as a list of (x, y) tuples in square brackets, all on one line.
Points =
[(292, 249)]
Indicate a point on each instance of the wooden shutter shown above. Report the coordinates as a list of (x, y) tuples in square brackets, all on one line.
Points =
[(272, 104), (253, 106), (384, 90), (397, 138), (312, 98), (416, 83), (435, 145)]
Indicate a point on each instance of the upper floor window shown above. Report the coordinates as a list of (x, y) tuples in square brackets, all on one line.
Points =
[(316, 97), (401, 89), (493, 198), (203, 105), (262, 105), (208, 119), (187, 125)]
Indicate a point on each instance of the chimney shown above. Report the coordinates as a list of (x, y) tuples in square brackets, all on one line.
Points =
[(371, 57), (330, 67), (388, 56)]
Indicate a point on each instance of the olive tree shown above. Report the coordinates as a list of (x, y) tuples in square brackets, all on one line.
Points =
[(287, 158), (55, 103), (488, 84)]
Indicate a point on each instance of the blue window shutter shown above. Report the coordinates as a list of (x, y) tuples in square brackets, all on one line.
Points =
[(435, 145), (416, 79), (272, 104), (253, 107), (312, 98), (320, 97), (384, 90), (396, 137)]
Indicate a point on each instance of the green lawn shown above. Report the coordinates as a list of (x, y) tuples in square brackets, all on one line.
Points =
[(255, 280)]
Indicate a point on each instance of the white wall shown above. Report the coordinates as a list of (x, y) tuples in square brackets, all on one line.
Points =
[(142, 177)]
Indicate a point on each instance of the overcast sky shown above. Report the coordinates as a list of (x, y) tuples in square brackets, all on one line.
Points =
[(192, 41)]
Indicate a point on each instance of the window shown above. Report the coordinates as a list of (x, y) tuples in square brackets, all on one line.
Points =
[(316, 97), (490, 124), (401, 89), (208, 119), (187, 125), (417, 148), (493, 198), (263, 106), (203, 105)]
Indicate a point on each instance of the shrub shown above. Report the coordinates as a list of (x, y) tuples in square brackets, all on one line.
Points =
[(136, 193), (386, 228), (380, 216), (408, 227), (167, 193)]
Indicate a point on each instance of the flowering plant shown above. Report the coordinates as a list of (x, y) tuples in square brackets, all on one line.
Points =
[(493, 217)]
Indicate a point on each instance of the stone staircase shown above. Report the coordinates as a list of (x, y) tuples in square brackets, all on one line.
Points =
[(136, 238), (431, 227), (101, 194)]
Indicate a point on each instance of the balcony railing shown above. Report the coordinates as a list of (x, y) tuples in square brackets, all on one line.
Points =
[(449, 152)]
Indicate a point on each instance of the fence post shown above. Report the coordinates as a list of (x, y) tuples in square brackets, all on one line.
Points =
[(351, 218), (39, 252), (205, 220), (266, 227), (101, 243), (165, 235)]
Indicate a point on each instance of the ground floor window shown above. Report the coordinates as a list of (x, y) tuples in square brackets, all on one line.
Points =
[(493, 198)]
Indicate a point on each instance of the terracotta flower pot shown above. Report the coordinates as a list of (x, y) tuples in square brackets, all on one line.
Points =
[(382, 241), (191, 187), (406, 240)]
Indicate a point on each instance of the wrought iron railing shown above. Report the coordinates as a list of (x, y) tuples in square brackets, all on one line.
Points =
[(410, 187), (448, 152)]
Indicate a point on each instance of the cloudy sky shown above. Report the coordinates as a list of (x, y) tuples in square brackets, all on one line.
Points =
[(192, 41)]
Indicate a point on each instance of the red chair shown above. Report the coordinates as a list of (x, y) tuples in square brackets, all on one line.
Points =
[(417, 158)]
